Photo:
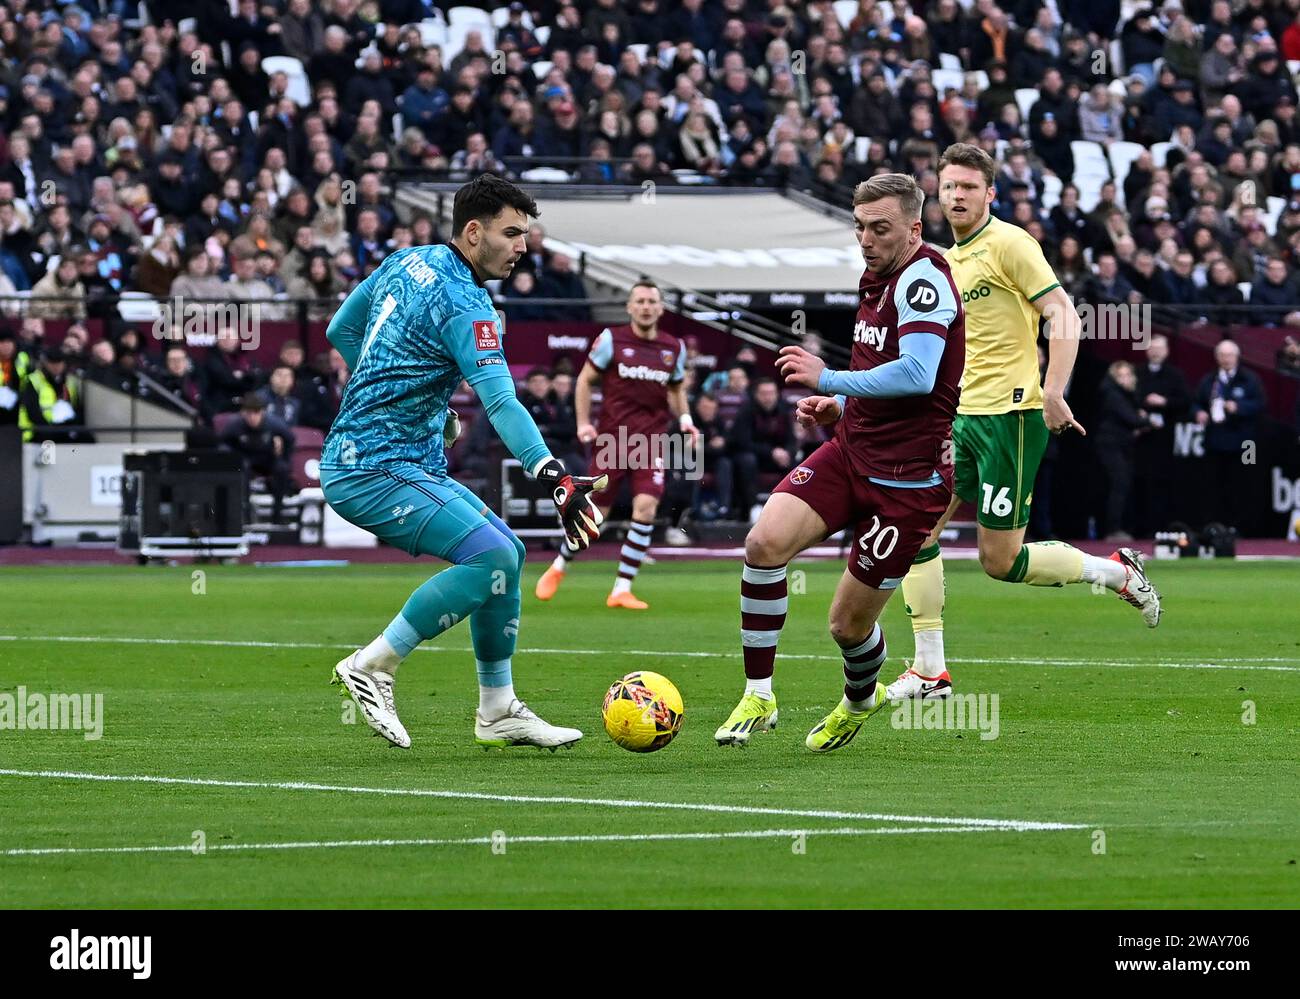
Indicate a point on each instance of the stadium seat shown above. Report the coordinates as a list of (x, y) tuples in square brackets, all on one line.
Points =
[(1160, 153), (945, 78), (1089, 190), (304, 467), (1089, 159), (845, 12), (1244, 288), (640, 48), (470, 17), (138, 307), (1026, 97), (949, 61), (1122, 157), (432, 32), (501, 17), (222, 420), (540, 68), (308, 437), (542, 33), (546, 175), (1293, 67), (1118, 89), (299, 86), (187, 24), (456, 38), (861, 148), (1052, 186)]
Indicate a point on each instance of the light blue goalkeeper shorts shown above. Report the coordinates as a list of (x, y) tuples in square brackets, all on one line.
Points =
[(405, 506)]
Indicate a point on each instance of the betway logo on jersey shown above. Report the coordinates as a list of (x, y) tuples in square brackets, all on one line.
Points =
[(642, 373), (872, 336)]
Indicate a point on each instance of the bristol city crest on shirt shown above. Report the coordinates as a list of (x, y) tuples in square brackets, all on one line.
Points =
[(801, 475)]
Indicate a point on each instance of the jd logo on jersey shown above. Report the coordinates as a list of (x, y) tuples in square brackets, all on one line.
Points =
[(922, 297), (486, 335)]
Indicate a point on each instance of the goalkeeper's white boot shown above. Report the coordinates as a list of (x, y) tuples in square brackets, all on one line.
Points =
[(373, 694), (519, 726), (1137, 589)]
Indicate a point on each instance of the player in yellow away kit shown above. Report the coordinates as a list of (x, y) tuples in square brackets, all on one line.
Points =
[(1003, 419)]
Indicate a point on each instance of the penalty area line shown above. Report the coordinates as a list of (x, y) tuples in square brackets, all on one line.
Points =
[(1006, 825), (500, 840)]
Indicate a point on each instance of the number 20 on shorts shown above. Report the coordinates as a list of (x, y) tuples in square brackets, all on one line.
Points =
[(885, 539)]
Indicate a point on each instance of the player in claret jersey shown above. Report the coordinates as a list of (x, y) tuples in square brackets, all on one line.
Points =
[(883, 475), (640, 369)]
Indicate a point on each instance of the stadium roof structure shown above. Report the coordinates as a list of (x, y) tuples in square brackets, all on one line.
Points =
[(743, 248)]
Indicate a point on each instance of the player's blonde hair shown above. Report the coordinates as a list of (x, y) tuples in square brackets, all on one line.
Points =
[(892, 185), (967, 155)]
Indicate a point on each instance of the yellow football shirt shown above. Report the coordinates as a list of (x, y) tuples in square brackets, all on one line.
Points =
[(1000, 270)]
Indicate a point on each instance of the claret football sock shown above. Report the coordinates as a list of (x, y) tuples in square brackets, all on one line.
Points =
[(862, 665), (763, 606), (632, 554)]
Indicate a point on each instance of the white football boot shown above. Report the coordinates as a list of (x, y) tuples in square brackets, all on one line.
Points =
[(1137, 589), (373, 694), (520, 727), (926, 688)]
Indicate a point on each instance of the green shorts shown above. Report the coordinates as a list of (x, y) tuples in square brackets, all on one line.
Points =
[(417, 511), (995, 462)]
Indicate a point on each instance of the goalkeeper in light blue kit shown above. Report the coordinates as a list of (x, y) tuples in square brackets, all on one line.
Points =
[(409, 333)]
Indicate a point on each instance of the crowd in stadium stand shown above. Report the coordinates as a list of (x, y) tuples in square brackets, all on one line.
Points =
[(247, 152)]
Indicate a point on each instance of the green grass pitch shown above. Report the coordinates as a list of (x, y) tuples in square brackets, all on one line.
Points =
[(1125, 772)]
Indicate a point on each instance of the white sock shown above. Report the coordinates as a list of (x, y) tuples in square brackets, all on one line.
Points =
[(1104, 570), (622, 585), (763, 687), (380, 657), (494, 702), (929, 661)]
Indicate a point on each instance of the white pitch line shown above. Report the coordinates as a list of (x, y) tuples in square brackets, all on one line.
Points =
[(1008, 825), (1226, 663), (507, 840)]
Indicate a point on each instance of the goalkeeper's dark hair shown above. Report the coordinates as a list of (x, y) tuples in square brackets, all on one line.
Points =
[(484, 198)]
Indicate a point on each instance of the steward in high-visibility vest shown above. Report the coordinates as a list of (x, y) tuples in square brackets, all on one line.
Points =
[(50, 405), (15, 366)]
